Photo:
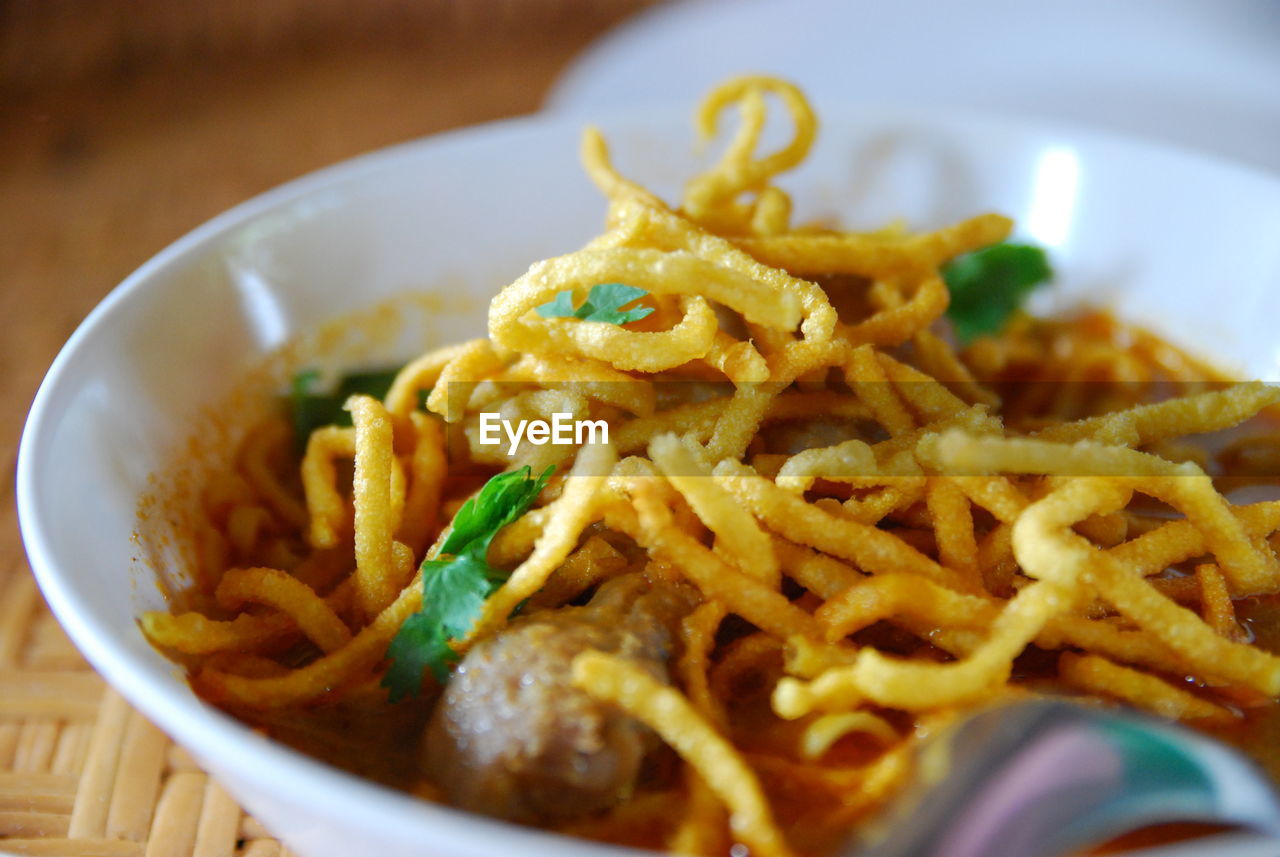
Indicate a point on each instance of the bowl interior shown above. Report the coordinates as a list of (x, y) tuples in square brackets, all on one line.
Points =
[(1181, 244)]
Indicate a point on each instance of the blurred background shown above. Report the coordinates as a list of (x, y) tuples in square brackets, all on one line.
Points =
[(126, 123)]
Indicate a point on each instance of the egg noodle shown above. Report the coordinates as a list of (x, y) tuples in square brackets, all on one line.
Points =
[(852, 593)]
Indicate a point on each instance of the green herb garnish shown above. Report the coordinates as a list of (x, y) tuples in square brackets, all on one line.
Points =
[(604, 303), (310, 409), (456, 583), (988, 285)]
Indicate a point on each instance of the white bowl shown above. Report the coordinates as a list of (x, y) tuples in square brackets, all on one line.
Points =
[(1183, 244)]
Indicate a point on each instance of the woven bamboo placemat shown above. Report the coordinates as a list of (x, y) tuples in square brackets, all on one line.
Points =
[(124, 124), (84, 775)]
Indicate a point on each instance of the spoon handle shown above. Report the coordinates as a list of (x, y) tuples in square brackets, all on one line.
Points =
[(1234, 844), (1046, 778)]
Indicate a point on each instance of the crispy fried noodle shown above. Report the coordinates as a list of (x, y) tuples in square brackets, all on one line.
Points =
[(819, 527)]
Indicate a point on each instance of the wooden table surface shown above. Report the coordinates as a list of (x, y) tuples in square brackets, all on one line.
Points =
[(130, 129)]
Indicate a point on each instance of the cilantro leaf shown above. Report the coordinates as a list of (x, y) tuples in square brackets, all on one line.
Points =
[(561, 306), (372, 382), (604, 303), (454, 590), (988, 285), (456, 584), (418, 646), (307, 410), (503, 498), (310, 409)]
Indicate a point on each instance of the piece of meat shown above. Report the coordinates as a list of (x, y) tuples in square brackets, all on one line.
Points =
[(512, 738)]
